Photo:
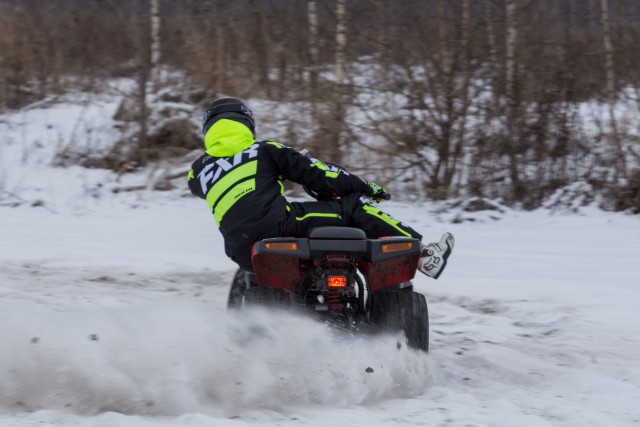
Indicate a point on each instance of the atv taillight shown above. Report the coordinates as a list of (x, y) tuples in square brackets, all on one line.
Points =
[(336, 281), (281, 246), (396, 247)]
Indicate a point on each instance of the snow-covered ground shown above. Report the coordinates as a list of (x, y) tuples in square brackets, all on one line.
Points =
[(112, 313)]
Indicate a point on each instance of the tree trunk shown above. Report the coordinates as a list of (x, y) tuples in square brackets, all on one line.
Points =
[(464, 96), (143, 78), (312, 13), (220, 55), (155, 43), (260, 44), (611, 89), (443, 52), (510, 89), (341, 41), (382, 15), (493, 55), (276, 28)]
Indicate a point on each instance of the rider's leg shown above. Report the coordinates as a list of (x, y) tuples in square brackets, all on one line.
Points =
[(354, 211), (305, 216), (348, 211), (373, 221), (376, 223)]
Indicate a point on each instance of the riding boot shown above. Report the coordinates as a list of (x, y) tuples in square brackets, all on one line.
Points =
[(434, 256)]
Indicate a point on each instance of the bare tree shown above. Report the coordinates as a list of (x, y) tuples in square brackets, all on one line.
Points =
[(312, 15), (341, 40), (260, 45), (382, 25), (443, 54), (493, 52), (278, 35), (221, 61), (142, 77), (465, 69), (620, 169), (155, 42), (510, 94)]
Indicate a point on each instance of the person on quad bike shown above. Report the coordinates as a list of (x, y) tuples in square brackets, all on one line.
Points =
[(242, 181)]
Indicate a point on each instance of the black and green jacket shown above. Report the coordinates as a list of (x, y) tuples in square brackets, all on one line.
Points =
[(243, 181)]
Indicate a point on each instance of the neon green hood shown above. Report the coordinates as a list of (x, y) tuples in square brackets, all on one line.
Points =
[(227, 137)]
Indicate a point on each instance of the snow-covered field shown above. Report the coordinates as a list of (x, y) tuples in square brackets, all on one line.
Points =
[(112, 313)]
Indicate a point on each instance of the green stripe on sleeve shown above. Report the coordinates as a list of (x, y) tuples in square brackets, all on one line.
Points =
[(328, 173)]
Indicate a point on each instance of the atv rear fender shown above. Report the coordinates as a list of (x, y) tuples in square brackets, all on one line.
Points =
[(278, 262)]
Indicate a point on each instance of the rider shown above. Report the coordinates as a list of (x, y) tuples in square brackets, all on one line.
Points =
[(242, 181)]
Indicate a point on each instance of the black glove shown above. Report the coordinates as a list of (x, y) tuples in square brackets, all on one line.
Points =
[(378, 192)]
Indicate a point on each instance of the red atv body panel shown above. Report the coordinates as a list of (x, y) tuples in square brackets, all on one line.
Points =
[(382, 267)]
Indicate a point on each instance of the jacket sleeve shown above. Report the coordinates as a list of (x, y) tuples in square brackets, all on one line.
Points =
[(318, 176), (194, 184)]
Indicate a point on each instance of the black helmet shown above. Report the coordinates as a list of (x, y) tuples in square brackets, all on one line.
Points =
[(227, 108)]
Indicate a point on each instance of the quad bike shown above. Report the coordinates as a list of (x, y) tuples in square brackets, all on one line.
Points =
[(338, 273)]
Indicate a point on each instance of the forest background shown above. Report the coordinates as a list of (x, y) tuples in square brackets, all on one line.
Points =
[(529, 102)]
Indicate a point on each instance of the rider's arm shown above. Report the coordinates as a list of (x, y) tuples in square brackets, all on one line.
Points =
[(313, 173), (192, 178)]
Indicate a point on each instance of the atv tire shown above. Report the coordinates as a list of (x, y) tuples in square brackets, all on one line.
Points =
[(399, 310), (267, 297)]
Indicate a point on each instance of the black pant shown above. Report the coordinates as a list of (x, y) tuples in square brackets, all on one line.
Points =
[(349, 211)]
